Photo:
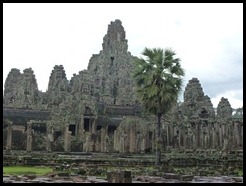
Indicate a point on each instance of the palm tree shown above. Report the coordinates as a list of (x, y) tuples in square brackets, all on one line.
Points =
[(159, 80)]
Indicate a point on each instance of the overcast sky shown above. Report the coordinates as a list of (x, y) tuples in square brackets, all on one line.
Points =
[(208, 38)]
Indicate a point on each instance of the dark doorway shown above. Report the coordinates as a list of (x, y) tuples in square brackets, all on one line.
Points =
[(111, 130), (39, 128), (72, 128), (57, 134), (86, 124), (99, 128)]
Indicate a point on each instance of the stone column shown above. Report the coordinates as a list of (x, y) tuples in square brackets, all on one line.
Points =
[(168, 136), (67, 139), (132, 137), (223, 134), (209, 135), (121, 143), (81, 126), (29, 137), (103, 140), (94, 127), (9, 136), (197, 135), (143, 148), (220, 136), (50, 137), (116, 140), (153, 140), (180, 137), (194, 140), (241, 125), (237, 134), (214, 142), (185, 140)]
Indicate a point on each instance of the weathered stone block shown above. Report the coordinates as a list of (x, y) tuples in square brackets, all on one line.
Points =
[(171, 176), (187, 178)]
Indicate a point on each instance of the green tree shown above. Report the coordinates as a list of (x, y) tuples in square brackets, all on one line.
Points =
[(238, 112), (158, 77)]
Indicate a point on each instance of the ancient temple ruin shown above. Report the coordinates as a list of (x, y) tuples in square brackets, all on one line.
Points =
[(98, 110)]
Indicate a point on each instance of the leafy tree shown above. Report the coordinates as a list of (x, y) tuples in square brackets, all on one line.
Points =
[(238, 112), (158, 78)]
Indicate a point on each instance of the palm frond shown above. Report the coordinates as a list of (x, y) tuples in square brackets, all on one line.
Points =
[(158, 78)]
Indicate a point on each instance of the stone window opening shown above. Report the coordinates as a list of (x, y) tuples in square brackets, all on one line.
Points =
[(99, 128), (72, 128), (86, 124), (111, 130), (150, 135), (57, 134), (87, 111), (112, 60), (39, 129), (12, 99)]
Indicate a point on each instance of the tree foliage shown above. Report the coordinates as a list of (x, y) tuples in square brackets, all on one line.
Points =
[(159, 80)]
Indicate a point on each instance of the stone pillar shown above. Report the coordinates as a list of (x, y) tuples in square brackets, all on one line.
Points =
[(94, 127), (206, 139), (185, 139), (122, 143), (50, 137), (194, 140), (116, 140), (9, 136), (237, 134), (67, 139), (81, 126), (103, 140), (223, 134), (241, 125), (220, 136), (133, 137), (209, 137), (197, 135), (153, 141), (88, 142), (180, 137), (168, 135), (214, 138), (90, 125), (143, 148), (29, 137), (127, 140), (138, 143)]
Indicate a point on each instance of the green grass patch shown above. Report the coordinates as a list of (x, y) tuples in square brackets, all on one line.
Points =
[(239, 172), (26, 170)]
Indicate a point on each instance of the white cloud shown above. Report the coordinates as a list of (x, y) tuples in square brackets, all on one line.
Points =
[(232, 96)]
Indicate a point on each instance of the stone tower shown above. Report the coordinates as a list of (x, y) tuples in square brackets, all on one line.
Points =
[(10, 86), (112, 67), (196, 104), (21, 89), (224, 109), (58, 84)]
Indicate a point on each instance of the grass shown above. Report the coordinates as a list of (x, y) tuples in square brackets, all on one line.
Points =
[(26, 170), (239, 172)]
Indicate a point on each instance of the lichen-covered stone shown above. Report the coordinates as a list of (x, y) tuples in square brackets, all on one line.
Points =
[(98, 110), (224, 109)]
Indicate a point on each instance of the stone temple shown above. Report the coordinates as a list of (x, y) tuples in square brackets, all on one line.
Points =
[(97, 110)]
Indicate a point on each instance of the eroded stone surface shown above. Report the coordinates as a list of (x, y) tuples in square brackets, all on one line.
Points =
[(98, 110)]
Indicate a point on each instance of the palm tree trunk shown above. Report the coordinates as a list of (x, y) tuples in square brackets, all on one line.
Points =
[(158, 141)]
